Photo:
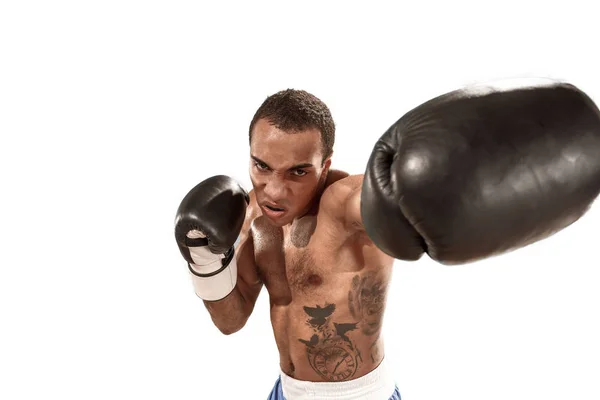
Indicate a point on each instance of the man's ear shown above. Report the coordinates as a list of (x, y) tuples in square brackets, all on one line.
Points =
[(326, 166), (327, 162)]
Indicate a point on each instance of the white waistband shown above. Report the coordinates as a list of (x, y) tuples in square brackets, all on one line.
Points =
[(376, 385)]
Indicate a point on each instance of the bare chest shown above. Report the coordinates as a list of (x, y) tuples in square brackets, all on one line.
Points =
[(301, 261)]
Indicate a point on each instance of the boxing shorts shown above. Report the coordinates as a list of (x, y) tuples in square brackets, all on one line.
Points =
[(376, 385)]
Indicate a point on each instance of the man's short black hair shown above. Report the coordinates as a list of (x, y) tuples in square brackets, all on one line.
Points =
[(297, 110)]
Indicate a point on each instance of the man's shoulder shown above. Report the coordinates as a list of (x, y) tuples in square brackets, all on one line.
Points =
[(338, 193), (343, 186)]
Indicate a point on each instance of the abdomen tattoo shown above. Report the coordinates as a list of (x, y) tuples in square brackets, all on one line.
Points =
[(330, 351)]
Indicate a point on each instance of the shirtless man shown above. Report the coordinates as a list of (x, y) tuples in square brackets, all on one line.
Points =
[(302, 234), (303, 239)]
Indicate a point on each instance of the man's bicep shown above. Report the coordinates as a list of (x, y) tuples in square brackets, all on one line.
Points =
[(353, 215), (342, 201)]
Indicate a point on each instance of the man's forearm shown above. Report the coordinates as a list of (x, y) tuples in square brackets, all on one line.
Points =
[(229, 314)]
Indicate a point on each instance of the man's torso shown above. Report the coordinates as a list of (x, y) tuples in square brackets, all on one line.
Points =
[(327, 285)]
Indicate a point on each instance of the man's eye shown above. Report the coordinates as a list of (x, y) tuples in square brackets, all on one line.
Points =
[(300, 172), (260, 166)]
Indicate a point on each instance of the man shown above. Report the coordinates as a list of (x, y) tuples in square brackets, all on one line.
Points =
[(323, 242), (303, 239)]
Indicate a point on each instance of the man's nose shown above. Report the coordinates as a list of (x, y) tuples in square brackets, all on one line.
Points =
[(275, 188)]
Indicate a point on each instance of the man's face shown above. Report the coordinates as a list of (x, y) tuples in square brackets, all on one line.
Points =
[(286, 172)]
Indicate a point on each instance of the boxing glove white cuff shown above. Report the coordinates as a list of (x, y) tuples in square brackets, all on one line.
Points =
[(215, 280)]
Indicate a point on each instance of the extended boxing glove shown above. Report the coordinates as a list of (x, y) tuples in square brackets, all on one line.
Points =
[(208, 222), (483, 170)]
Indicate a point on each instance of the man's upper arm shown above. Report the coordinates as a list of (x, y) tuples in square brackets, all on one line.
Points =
[(343, 201), (353, 216)]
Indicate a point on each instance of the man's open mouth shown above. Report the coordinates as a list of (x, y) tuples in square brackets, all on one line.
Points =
[(274, 208)]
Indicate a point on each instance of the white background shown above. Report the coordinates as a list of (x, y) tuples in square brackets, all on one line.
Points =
[(110, 111)]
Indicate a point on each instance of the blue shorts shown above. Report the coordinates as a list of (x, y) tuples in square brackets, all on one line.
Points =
[(277, 392)]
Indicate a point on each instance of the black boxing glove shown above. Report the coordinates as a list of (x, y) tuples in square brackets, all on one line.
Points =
[(481, 171), (208, 222)]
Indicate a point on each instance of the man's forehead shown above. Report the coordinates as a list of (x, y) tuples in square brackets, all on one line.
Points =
[(286, 156), (276, 161), (276, 146)]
